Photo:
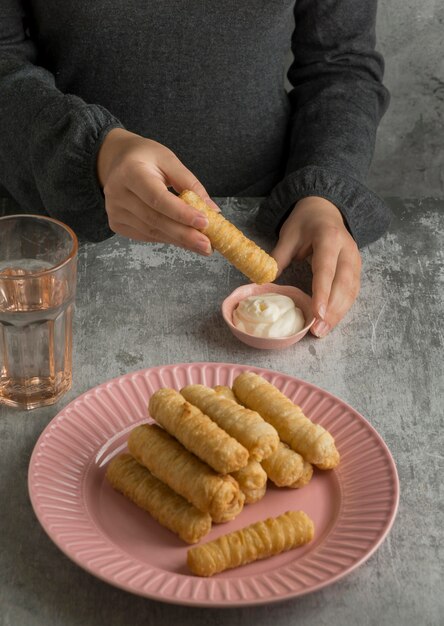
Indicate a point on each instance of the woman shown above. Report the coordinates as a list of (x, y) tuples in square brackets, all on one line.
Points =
[(105, 106)]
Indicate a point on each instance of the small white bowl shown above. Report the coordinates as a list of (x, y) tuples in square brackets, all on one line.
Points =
[(301, 300)]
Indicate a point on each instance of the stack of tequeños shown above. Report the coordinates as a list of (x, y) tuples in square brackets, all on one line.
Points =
[(212, 451)]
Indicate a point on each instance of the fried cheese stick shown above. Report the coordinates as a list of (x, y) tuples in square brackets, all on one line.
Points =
[(257, 541), (252, 480), (258, 436), (284, 467), (287, 468), (225, 391), (171, 510), (311, 440), (307, 473), (240, 251), (170, 462), (197, 432)]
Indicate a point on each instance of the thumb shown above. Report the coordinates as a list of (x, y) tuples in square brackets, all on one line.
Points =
[(181, 178), (283, 253)]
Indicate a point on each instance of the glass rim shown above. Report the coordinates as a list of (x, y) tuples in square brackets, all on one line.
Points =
[(72, 254)]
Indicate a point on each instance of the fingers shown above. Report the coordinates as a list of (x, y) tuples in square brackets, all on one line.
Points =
[(315, 230), (154, 193), (180, 178), (132, 233), (323, 265), (136, 192), (290, 244), (283, 253), (138, 223), (345, 286), (344, 289)]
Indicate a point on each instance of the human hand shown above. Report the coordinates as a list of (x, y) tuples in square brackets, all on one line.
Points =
[(135, 174), (316, 227)]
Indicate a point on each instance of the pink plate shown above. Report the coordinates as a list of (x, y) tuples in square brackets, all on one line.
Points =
[(353, 507)]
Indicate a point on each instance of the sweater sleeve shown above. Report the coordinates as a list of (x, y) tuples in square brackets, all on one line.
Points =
[(337, 101), (48, 140)]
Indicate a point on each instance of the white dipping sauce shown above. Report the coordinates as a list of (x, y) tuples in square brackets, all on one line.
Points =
[(268, 315)]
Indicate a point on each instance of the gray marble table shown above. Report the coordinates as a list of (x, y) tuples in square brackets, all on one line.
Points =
[(140, 305)]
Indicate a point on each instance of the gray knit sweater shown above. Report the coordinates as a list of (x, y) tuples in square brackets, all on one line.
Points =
[(206, 79)]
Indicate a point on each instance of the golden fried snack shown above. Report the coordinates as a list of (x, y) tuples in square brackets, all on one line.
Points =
[(225, 391), (307, 473), (252, 480), (284, 467), (257, 541), (311, 440), (171, 510), (241, 252), (248, 427), (197, 432), (170, 462)]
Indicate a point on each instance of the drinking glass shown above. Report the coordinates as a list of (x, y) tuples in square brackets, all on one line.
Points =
[(38, 270)]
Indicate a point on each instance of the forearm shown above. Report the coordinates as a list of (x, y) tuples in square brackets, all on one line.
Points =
[(48, 140), (337, 102), (336, 128), (338, 97)]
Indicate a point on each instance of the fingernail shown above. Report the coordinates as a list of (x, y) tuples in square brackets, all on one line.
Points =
[(322, 311), (320, 329), (203, 247), (200, 222)]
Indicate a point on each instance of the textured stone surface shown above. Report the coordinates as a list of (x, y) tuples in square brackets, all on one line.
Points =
[(141, 305)]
